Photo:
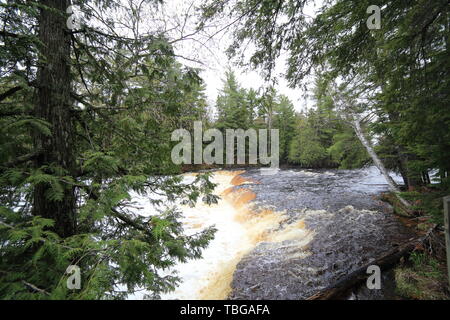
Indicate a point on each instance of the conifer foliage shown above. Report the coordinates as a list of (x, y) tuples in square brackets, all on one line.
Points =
[(86, 116), (401, 69)]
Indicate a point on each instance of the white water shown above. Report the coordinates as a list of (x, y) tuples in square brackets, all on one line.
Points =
[(238, 231), (230, 240)]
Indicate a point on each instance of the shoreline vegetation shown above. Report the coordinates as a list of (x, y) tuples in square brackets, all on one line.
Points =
[(88, 109), (422, 273), (420, 267)]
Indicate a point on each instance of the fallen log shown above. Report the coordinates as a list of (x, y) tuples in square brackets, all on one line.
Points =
[(339, 290)]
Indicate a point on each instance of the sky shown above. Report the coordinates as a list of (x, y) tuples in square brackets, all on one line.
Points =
[(215, 62), (177, 19)]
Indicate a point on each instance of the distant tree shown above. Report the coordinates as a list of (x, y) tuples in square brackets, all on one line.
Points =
[(232, 107), (306, 148), (285, 122), (404, 66)]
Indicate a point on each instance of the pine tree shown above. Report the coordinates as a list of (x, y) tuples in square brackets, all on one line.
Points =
[(233, 111), (86, 117), (404, 66), (285, 123)]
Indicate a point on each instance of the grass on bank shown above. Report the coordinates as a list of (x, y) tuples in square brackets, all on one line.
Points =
[(423, 275)]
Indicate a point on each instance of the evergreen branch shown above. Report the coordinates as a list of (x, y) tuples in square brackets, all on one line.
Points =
[(12, 113), (7, 225), (42, 240), (22, 159), (252, 9), (425, 27), (9, 92), (123, 217), (30, 285), (131, 222), (10, 34)]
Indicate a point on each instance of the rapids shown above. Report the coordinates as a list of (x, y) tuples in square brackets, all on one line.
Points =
[(286, 236)]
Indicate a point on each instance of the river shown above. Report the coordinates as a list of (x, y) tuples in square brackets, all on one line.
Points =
[(287, 235)]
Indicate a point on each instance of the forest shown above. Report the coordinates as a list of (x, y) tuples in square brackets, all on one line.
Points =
[(87, 113)]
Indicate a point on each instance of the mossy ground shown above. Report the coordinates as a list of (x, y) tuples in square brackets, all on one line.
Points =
[(424, 274), (422, 277)]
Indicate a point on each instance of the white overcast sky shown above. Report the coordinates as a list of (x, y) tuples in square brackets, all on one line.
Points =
[(177, 18), (212, 54)]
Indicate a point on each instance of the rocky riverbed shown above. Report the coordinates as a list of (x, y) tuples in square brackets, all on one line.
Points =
[(347, 225), (286, 235)]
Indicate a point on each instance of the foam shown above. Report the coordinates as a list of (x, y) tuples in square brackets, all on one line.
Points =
[(241, 227)]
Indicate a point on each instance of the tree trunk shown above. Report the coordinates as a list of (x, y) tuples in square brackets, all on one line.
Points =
[(392, 185), (426, 178), (402, 170), (53, 105), (412, 179)]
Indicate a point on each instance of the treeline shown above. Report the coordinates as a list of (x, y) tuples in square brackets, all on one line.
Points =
[(394, 81), (86, 118), (316, 138)]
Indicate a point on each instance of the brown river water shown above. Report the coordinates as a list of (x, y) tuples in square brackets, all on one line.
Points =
[(288, 235)]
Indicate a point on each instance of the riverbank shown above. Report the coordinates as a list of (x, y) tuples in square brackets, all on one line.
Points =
[(292, 234), (351, 227), (419, 275), (423, 274)]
